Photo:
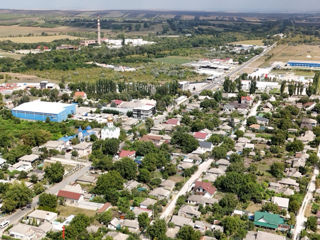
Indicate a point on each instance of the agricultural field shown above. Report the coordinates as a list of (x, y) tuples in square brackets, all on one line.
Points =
[(284, 53), (10, 55), (36, 39), (15, 30), (250, 42)]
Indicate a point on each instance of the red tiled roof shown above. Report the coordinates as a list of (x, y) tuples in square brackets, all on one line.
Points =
[(308, 104), (70, 195), (117, 102), (126, 153), (206, 186), (150, 138), (200, 135), (79, 94), (255, 126), (105, 207), (172, 121), (248, 98)]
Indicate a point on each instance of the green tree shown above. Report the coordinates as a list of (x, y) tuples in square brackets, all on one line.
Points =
[(251, 120), (253, 87), (144, 175), (187, 142), (109, 182), (277, 169), (157, 231), (283, 87), (144, 221), (127, 168), (312, 223), (38, 188), (47, 200), (188, 233), (17, 196), (54, 173), (105, 217), (295, 146), (219, 152)]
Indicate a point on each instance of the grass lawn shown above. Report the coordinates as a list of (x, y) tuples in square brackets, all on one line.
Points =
[(65, 211), (10, 55), (250, 42), (174, 60), (253, 207)]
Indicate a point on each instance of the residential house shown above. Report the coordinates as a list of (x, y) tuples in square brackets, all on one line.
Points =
[(132, 184), (201, 136), (137, 211), (71, 194), (40, 216), (204, 147), (201, 200), (84, 149), (29, 158), (288, 182), (105, 207), (27, 232), (204, 188), (147, 203), (157, 128), (255, 127), (181, 221), (246, 100), (282, 203), (261, 235), (21, 166), (86, 179), (202, 226), (262, 120), (157, 140), (78, 95), (269, 220), (160, 193), (115, 224), (168, 185), (55, 145), (173, 121), (132, 225), (308, 123), (184, 165), (189, 211), (118, 235), (127, 153)]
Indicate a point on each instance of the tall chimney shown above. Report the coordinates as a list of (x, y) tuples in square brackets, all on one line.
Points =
[(99, 31)]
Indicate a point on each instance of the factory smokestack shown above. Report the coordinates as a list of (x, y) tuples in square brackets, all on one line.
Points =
[(99, 31)]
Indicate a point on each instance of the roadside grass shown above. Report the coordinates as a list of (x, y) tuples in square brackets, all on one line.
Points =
[(65, 211)]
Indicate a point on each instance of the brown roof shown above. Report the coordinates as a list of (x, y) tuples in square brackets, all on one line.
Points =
[(206, 186), (105, 207), (150, 138), (70, 195)]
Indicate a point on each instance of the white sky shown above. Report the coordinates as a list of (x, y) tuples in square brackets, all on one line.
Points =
[(196, 5)]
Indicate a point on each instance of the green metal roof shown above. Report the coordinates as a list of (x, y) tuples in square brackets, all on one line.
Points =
[(268, 220)]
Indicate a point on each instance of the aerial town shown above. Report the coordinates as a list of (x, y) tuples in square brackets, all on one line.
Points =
[(142, 126)]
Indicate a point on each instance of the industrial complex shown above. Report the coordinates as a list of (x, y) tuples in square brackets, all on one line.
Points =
[(40, 111)]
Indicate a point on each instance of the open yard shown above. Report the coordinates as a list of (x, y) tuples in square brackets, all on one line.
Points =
[(65, 211)]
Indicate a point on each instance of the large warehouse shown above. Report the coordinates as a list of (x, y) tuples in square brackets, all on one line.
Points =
[(40, 111), (304, 64)]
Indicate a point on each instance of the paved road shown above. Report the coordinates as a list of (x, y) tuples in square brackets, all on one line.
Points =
[(186, 187), (217, 83), (17, 215), (253, 112), (301, 219)]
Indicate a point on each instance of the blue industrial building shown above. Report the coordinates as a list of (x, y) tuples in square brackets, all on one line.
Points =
[(304, 64), (40, 111)]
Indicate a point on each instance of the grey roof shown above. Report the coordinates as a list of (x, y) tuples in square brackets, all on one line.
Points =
[(201, 199), (148, 202), (204, 144), (181, 221), (29, 158), (131, 223)]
